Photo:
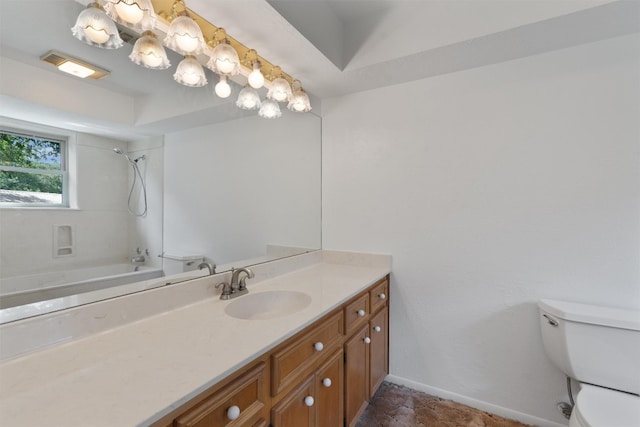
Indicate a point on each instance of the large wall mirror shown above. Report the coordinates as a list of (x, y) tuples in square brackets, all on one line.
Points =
[(223, 186)]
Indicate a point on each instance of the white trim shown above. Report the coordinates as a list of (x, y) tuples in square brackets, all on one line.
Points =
[(474, 403)]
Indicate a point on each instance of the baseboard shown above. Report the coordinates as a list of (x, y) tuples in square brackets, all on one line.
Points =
[(474, 403)]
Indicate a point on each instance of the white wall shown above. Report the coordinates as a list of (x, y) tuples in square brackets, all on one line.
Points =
[(233, 188), (492, 188)]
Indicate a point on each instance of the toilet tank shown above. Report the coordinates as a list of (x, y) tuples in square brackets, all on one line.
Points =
[(593, 344)]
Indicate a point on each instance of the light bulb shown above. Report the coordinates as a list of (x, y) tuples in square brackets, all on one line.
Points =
[(190, 72), (256, 79), (184, 36), (223, 90), (98, 36), (95, 28), (131, 13), (149, 52)]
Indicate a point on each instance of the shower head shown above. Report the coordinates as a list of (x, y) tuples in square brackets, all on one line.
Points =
[(119, 151)]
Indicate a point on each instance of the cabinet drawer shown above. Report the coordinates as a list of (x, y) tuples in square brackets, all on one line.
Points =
[(297, 357), (356, 313), (247, 392), (379, 295)]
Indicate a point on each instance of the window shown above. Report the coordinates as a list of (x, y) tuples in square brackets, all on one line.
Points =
[(33, 170)]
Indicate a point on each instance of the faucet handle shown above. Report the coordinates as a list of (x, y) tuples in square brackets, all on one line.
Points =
[(226, 289)]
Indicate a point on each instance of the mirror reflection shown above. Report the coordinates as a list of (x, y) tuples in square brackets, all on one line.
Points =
[(221, 190)]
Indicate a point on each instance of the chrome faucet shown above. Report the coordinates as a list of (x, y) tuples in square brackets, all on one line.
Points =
[(237, 285), (209, 266)]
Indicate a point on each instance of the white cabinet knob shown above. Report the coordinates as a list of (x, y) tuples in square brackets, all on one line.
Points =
[(233, 412), (382, 296), (367, 340), (326, 382), (377, 328), (361, 313), (318, 346), (308, 401)]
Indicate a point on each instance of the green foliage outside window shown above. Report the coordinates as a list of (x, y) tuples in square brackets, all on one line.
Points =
[(33, 156)]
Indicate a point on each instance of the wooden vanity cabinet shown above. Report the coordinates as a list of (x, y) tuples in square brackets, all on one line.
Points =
[(317, 401), (323, 376), (243, 401)]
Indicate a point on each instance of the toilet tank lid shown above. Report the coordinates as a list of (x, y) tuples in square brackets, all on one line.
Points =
[(597, 315)]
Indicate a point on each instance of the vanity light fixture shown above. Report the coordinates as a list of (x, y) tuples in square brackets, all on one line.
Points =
[(73, 66), (138, 14), (280, 89), (299, 101), (248, 99), (190, 72), (222, 89), (95, 28), (184, 35), (224, 58), (269, 109), (149, 52)]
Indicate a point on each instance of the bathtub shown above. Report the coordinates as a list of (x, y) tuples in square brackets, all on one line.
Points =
[(22, 290)]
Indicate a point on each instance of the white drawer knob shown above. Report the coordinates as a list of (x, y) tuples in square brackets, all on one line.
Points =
[(377, 329), (308, 401), (361, 313), (318, 346), (233, 412), (326, 382), (382, 296), (367, 340)]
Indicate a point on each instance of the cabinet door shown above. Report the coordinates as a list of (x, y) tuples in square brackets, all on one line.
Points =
[(356, 375), (378, 350), (296, 410), (329, 392)]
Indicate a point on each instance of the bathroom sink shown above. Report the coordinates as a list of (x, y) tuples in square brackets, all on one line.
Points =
[(268, 305)]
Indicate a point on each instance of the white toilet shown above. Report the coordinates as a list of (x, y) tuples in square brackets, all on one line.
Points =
[(600, 348)]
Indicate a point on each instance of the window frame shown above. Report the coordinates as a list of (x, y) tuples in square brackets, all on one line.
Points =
[(63, 140)]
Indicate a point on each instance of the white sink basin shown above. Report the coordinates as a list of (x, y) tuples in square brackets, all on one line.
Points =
[(268, 304)]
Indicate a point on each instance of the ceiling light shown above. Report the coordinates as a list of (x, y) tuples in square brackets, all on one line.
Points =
[(224, 59), (95, 28), (137, 13), (149, 52), (248, 99), (184, 35), (280, 90), (299, 100), (73, 66), (222, 89), (190, 72), (269, 110), (76, 69)]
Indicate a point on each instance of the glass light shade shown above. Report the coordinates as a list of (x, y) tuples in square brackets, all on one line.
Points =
[(280, 90), (138, 14), (256, 79), (269, 109), (190, 73), (184, 36), (224, 60), (149, 52), (299, 102), (95, 28), (248, 99), (222, 89)]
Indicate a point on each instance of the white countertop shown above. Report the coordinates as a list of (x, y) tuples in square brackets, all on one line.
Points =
[(136, 373)]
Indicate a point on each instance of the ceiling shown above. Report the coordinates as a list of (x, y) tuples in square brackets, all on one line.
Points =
[(334, 47)]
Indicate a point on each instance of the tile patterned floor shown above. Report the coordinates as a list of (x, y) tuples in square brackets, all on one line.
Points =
[(398, 406)]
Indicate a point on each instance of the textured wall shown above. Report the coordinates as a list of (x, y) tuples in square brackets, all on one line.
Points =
[(492, 188)]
